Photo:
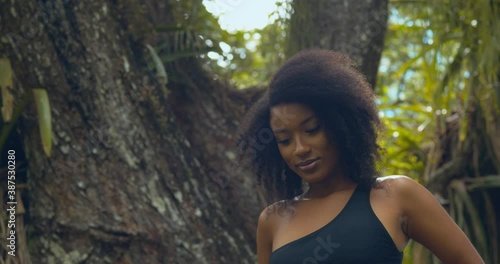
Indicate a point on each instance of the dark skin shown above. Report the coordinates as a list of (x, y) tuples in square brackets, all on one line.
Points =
[(406, 209)]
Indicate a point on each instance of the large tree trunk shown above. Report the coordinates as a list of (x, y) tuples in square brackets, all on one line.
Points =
[(354, 27), (140, 172), (124, 183)]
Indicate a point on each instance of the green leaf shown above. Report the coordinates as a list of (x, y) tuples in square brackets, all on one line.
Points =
[(44, 119), (6, 86), (161, 73)]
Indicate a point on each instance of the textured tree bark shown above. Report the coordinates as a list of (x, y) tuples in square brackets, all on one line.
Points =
[(354, 27), (124, 184), (139, 173)]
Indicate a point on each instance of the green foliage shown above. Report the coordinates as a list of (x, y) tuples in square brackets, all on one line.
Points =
[(5, 88), (192, 32), (11, 113), (250, 58), (270, 52), (242, 58), (161, 73), (44, 119), (438, 91)]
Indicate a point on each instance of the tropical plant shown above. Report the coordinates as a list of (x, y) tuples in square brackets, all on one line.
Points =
[(10, 114), (440, 97)]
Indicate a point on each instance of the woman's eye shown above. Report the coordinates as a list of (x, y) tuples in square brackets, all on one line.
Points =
[(314, 130), (283, 141)]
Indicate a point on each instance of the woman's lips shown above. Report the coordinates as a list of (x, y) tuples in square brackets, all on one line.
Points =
[(308, 165)]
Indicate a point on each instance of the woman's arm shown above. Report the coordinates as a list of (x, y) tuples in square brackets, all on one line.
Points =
[(264, 237), (430, 225)]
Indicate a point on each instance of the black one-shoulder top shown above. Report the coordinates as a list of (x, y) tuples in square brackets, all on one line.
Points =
[(355, 235)]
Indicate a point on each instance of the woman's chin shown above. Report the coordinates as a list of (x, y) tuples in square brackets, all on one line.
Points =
[(313, 178)]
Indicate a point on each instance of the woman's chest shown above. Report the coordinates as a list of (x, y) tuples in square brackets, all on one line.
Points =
[(353, 237), (310, 217)]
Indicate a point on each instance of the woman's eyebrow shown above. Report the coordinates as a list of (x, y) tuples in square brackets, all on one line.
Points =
[(307, 119), (301, 123)]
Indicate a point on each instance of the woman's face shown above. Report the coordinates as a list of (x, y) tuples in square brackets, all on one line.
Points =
[(303, 143)]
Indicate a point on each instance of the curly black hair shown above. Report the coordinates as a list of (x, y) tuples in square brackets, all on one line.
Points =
[(328, 83)]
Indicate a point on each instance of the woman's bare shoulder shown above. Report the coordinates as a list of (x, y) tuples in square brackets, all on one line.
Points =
[(429, 224), (393, 179), (393, 184), (277, 210), (270, 219)]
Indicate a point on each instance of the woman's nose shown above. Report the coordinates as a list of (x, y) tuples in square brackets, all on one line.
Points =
[(301, 147)]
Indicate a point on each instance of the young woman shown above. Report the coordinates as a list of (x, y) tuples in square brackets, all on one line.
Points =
[(318, 125)]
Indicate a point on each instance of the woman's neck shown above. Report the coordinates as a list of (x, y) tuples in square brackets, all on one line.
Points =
[(327, 187)]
